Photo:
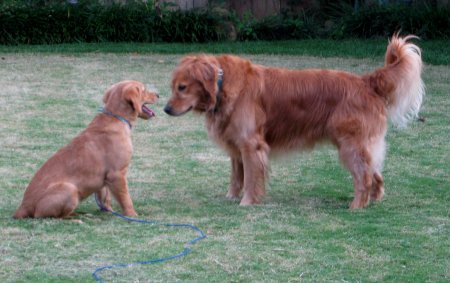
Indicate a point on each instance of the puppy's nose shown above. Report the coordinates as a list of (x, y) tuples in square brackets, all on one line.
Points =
[(157, 95), (168, 109)]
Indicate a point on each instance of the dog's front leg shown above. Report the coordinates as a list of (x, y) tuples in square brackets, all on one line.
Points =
[(104, 197), (236, 178), (118, 185), (255, 162)]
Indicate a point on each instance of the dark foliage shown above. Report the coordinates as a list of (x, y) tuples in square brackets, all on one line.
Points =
[(53, 22), (278, 28), (29, 23), (424, 21)]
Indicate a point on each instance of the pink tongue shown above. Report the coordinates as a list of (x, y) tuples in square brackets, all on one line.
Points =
[(148, 111)]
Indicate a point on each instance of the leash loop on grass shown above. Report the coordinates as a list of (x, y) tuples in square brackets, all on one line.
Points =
[(186, 250)]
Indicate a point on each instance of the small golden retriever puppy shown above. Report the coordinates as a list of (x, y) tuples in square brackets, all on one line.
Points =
[(253, 110), (96, 161)]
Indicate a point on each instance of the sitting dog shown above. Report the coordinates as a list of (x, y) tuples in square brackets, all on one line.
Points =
[(252, 111), (96, 161)]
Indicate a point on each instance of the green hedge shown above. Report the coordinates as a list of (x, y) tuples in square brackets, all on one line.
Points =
[(28, 23), (52, 22), (343, 22), (424, 21)]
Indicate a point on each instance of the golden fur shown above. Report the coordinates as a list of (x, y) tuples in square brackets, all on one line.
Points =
[(261, 110), (96, 161)]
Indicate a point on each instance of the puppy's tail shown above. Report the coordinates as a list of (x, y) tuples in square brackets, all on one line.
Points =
[(399, 81)]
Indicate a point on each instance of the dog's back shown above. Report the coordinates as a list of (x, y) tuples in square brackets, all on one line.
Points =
[(318, 102), (310, 100)]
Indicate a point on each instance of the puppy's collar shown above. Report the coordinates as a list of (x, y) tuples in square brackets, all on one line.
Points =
[(219, 89), (104, 111)]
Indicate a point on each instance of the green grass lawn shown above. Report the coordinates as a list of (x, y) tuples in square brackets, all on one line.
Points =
[(303, 231), (436, 52)]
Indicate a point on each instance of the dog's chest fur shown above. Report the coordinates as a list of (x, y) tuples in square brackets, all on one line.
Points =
[(220, 129)]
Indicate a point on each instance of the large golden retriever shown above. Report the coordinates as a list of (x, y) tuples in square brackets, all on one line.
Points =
[(253, 110), (96, 161)]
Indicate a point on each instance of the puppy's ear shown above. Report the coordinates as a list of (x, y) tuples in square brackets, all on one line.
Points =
[(132, 95), (111, 91), (107, 95)]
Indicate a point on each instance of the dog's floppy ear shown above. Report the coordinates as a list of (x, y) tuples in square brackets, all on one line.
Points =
[(205, 72), (108, 94), (210, 83), (132, 94)]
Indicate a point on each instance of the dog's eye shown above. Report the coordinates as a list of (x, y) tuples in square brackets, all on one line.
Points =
[(181, 87)]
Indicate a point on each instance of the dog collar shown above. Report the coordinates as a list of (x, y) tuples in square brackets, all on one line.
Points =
[(219, 78), (219, 88), (104, 111)]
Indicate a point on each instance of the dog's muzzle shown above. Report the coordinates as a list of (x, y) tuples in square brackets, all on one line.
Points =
[(168, 109)]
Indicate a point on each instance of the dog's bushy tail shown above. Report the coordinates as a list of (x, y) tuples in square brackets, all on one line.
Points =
[(399, 81)]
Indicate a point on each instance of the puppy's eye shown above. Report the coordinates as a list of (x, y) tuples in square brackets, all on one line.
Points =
[(181, 87)]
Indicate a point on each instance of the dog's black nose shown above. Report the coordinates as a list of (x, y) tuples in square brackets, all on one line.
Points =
[(168, 109)]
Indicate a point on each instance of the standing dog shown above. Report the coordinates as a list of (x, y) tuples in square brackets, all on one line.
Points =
[(96, 161), (252, 110)]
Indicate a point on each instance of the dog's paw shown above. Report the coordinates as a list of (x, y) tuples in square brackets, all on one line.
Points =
[(247, 201), (377, 194), (130, 213), (232, 197)]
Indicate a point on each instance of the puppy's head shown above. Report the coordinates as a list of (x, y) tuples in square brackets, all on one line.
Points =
[(194, 86), (130, 98)]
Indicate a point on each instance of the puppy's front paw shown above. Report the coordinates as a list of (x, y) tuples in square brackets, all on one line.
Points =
[(130, 213)]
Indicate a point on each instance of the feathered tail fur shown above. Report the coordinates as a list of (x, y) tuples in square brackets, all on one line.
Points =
[(399, 81)]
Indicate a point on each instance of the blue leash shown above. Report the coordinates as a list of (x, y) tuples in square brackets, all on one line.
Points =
[(185, 251)]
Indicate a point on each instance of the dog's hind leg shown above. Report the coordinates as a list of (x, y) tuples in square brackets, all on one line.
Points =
[(236, 179), (358, 162), (377, 192), (60, 201), (378, 150)]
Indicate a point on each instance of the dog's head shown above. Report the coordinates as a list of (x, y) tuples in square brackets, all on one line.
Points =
[(130, 98), (194, 85)]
